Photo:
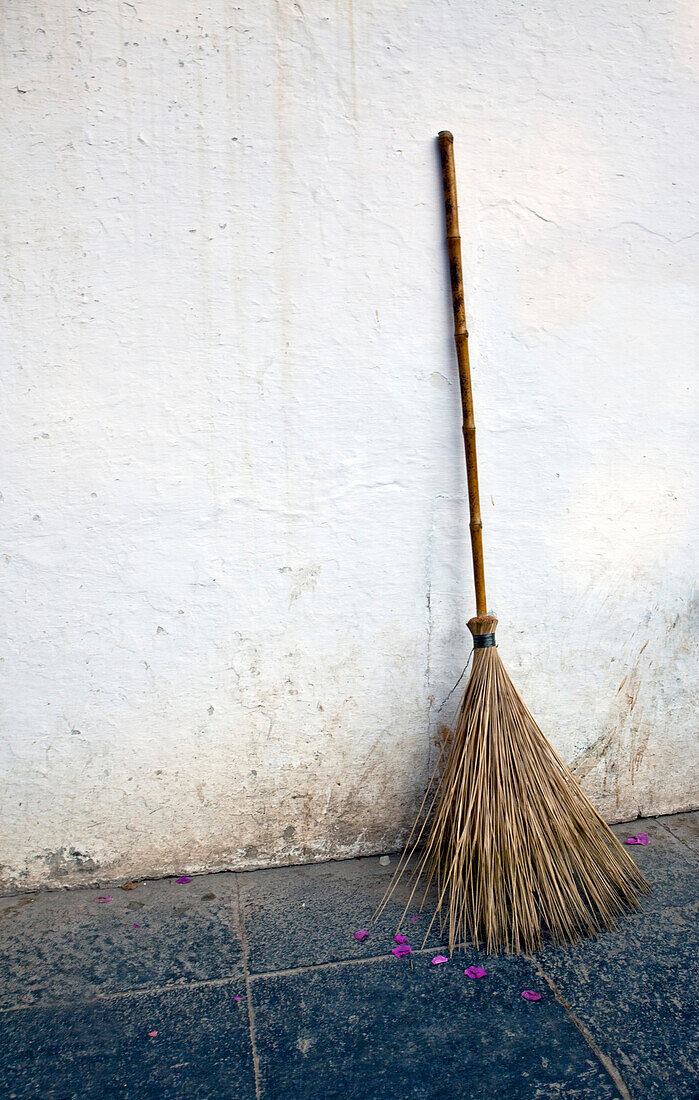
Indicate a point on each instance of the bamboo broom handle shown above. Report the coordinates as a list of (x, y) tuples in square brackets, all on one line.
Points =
[(446, 148)]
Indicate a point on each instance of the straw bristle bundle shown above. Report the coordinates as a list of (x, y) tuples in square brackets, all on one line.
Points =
[(512, 844)]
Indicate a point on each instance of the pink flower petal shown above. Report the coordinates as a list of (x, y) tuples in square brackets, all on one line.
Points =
[(101, 900), (414, 918), (530, 995), (184, 878), (137, 926), (237, 998), (152, 1034), (640, 838), (439, 959), (401, 950), (400, 939), (362, 934), (475, 972)]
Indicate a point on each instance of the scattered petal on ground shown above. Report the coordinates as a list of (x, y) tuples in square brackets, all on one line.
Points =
[(237, 998), (184, 878), (640, 838), (401, 950), (439, 959), (530, 995), (400, 939), (362, 934), (475, 972), (152, 1034), (414, 918), (102, 900), (137, 926)]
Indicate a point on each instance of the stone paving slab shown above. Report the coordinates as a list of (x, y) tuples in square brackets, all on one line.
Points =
[(393, 1029), (666, 862), (638, 993), (686, 828), (102, 1048), (300, 916), (64, 944)]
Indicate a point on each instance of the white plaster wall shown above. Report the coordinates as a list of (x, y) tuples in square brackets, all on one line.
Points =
[(236, 572)]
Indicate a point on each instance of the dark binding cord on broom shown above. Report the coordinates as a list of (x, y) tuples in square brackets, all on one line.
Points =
[(505, 835)]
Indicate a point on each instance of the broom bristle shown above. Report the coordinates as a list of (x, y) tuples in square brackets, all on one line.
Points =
[(512, 844)]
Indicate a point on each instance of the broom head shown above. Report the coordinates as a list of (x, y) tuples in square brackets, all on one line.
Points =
[(506, 835)]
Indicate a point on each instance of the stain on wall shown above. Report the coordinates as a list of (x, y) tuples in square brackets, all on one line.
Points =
[(235, 564)]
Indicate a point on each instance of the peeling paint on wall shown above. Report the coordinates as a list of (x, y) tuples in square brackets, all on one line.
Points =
[(236, 571)]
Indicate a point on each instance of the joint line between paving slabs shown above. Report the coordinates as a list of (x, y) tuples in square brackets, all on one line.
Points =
[(587, 1035), (686, 851), (204, 983), (248, 992), (339, 962)]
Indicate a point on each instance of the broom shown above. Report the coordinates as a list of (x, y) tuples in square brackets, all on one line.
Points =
[(510, 841)]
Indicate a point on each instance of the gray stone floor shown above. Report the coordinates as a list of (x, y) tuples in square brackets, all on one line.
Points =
[(252, 985)]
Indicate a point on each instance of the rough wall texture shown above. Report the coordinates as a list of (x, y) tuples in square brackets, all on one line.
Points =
[(235, 561)]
